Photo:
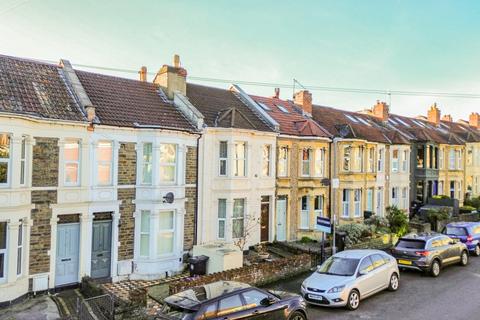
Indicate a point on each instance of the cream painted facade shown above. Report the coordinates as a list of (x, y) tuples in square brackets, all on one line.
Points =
[(472, 169), (221, 190), (398, 193), (451, 177)]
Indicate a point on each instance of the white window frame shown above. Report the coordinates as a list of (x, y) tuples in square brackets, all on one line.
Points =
[(221, 219), (440, 158), (166, 231), (320, 200), (395, 196), (237, 159), (5, 255), (23, 161), (319, 167), (283, 162), (371, 160), (306, 164), (370, 192), (77, 162), (380, 160), (8, 160), (357, 202), (451, 159), (405, 159), (305, 213), (148, 214), (20, 241), (459, 159), (242, 218), (222, 159), (266, 160), (100, 162), (168, 164), (346, 203), (405, 197), (146, 163), (359, 159), (395, 160)]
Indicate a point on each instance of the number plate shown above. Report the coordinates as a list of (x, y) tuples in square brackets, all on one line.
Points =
[(406, 262), (315, 296)]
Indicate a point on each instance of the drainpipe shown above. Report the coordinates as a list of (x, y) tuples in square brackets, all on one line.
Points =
[(333, 195), (195, 214)]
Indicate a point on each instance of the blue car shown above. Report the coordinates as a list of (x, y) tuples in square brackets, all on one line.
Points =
[(466, 232)]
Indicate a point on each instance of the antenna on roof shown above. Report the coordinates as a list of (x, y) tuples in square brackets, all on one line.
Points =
[(295, 82)]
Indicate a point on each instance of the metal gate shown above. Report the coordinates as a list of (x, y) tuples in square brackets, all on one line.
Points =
[(96, 308)]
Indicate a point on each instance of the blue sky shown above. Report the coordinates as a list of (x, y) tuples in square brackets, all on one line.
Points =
[(392, 45)]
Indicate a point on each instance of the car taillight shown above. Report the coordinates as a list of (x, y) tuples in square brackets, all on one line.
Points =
[(422, 253), (469, 239)]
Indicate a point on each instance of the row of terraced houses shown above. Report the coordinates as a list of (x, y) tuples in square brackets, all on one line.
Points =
[(116, 178)]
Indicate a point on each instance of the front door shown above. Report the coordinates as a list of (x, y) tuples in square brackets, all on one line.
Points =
[(101, 249), (265, 219), (67, 260), (281, 219)]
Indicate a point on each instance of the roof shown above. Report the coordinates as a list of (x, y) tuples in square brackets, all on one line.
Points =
[(36, 89), (464, 131), (463, 224), (357, 253), (222, 108), (421, 236), (131, 103), (291, 119)]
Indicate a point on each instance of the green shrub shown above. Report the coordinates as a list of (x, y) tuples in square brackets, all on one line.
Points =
[(467, 209), (441, 197), (354, 232), (377, 222), (306, 240), (398, 220), (437, 215), (474, 202)]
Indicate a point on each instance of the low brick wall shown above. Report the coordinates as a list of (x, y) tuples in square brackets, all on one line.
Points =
[(255, 275)]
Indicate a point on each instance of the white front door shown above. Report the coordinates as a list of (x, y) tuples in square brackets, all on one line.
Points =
[(68, 241), (281, 219)]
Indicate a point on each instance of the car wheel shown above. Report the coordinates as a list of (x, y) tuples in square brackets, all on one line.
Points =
[(476, 252), (353, 300), (394, 282), (435, 268), (297, 315), (464, 258)]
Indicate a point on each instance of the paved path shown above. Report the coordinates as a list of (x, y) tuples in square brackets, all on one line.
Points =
[(454, 295), (38, 308)]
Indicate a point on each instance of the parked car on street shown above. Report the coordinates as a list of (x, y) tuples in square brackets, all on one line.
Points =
[(232, 300), (429, 252), (350, 276), (467, 232)]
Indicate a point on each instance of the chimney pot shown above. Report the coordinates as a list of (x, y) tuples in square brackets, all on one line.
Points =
[(277, 93), (90, 113), (304, 99), (143, 73), (474, 120), (381, 110), (176, 61), (433, 115), (172, 78), (448, 118)]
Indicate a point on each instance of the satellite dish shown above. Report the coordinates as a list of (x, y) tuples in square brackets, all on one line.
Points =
[(325, 182), (169, 197)]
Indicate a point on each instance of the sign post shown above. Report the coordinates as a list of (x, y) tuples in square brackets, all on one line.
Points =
[(323, 225)]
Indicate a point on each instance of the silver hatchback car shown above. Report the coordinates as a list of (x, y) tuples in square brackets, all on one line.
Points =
[(349, 276)]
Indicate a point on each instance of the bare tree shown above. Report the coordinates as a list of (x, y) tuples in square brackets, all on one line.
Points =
[(250, 227)]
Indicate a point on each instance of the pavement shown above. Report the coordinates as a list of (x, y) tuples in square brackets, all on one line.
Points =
[(455, 294), (38, 308)]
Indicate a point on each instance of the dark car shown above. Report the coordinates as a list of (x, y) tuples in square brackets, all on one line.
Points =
[(466, 232), (232, 300), (429, 252)]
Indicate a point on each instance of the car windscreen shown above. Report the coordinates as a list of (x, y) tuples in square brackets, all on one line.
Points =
[(410, 244), (339, 266), (175, 312), (455, 231)]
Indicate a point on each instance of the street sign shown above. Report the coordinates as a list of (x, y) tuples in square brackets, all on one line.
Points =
[(335, 183), (324, 225)]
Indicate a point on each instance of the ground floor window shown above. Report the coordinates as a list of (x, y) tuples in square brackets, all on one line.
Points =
[(3, 249), (157, 231), (145, 233), (346, 203), (395, 196), (370, 200), (452, 189), (358, 202), (19, 250), (405, 197), (222, 216), (318, 206), (304, 212), (379, 206), (165, 239), (238, 218)]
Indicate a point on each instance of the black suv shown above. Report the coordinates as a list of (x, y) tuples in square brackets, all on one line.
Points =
[(232, 300), (429, 252)]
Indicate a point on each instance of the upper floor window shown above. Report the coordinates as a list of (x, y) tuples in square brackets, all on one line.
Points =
[(459, 159), (353, 159), (451, 161), (441, 159), (240, 159), (358, 159), (347, 152), (147, 157), (395, 160), (266, 160), (306, 158), (405, 161), (23, 161), (469, 156), (223, 158), (371, 160), (283, 162), (72, 163), (104, 162), (380, 160), (319, 162), (420, 157), (168, 162), (5, 150)]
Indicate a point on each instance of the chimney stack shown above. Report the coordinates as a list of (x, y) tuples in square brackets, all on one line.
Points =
[(304, 99), (172, 78), (381, 110), (143, 74), (433, 115), (277, 93), (474, 120), (448, 118), (90, 113)]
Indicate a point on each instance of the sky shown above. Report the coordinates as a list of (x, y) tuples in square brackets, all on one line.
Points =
[(428, 46)]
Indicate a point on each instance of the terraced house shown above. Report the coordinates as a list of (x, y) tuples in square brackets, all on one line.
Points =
[(92, 181)]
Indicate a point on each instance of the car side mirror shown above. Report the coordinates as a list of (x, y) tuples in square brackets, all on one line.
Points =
[(267, 301), (362, 272)]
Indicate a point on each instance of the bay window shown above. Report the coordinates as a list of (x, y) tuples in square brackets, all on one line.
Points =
[(104, 163), (395, 196), (19, 249), (5, 151), (283, 162), (240, 159), (306, 157), (319, 162), (359, 159), (370, 199), (168, 162), (459, 159), (318, 206), (358, 202), (346, 203), (222, 216), (3, 250), (266, 160), (145, 233), (451, 161), (380, 160), (72, 163), (304, 212), (440, 158), (238, 218), (23, 162), (147, 158), (405, 161), (347, 152), (395, 160), (371, 160), (222, 158), (165, 239)]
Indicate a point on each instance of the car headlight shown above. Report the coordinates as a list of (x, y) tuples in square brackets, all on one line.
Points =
[(336, 289)]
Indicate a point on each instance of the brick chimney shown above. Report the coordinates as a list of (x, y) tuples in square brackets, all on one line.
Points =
[(143, 74), (172, 78), (276, 95), (448, 118), (304, 99), (433, 115), (381, 110), (474, 120)]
